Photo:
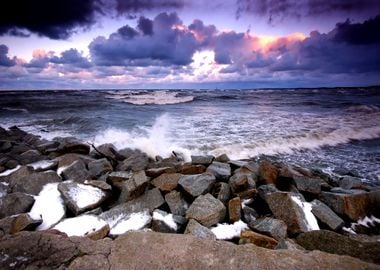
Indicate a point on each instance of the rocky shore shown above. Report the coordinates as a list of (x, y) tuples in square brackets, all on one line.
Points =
[(66, 204)]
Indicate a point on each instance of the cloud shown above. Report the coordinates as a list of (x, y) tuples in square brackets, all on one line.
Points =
[(4, 59), (126, 6)]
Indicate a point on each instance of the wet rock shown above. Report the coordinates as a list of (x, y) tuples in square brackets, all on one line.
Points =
[(80, 198), (202, 160), (116, 179), (309, 185), (43, 147), (270, 226), (221, 191), (28, 181), (176, 203), (107, 149), (267, 172), (349, 182), (72, 145), (135, 162), (192, 169), (76, 171), (197, 184), (156, 172), (5, 146), (15, 203), (222, 158), (234, 209), (43, 165), (196, 229), (24, 222), (207, 210), (99, 167), (257, 239), (31, 156), (326, 215), (167, 182), (134, 186), (222, 171), (353, 206), (241, 180), (365, 249), (165, 222)]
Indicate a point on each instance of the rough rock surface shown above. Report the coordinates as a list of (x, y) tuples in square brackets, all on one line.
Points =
[(234, 209), (270, 226), (326, 215), (166, 182), (221, 191), (206, 210), (267, 172), (176, 203), (222, 171), (257, 239), (15, 203), (202, 160), (134, 186), (99, 167), (197, 184), (76, 171), (196, 229)]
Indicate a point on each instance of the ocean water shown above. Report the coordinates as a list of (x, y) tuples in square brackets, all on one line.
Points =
[(329, 129)]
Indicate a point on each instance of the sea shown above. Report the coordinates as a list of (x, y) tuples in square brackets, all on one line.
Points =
[(336, 130)]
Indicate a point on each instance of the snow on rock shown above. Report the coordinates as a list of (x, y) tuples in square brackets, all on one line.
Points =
[(167, 219), (229, 231), (80, 226), (42, 165), (8, 172), (311, 221), (48, 206), (131, 222)]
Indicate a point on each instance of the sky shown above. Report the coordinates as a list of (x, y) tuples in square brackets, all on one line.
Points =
[(122, 44)]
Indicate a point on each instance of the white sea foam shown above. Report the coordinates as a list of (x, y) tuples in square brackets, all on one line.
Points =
[(133, 222), (168, 219), (81, 225), (229, 231), (85, 195), (311, 221), (158, 97), (10, 171)]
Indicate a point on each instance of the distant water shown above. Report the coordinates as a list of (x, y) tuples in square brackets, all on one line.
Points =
[(319, 128)]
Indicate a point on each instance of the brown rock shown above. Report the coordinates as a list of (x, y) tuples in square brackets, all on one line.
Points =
[(257, 239), (167, 182), (267, 172), (155, 172), (24, 222), (134, 186), (100, 234), (234, 209), (192, 169)]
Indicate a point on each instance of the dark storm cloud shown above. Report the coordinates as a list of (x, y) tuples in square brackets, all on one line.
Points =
[(4, 59), (168, 43), (145, 25), (126, 6), (279, 9)]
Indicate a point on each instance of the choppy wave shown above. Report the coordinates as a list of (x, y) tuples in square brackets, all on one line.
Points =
[(158, 97), (15, 109), (363, 109)]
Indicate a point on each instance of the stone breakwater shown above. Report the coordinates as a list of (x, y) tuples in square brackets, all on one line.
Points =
[(85, 203)]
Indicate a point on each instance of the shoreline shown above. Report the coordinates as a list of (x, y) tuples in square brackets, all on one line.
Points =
[(70, 188)]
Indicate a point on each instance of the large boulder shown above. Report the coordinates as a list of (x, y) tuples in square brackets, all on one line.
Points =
[(72, 145), (134, 186), (76, 171), (207, 210), (197, 184), (166, 182), (222, 171), (176, 203), (362, 247), (99, 167), (221, 191), (117, 178), (137, 161), (326, 215), (241, 180), (270, 226), (268, 173), (202, 160), (15, 203), (80, 198)]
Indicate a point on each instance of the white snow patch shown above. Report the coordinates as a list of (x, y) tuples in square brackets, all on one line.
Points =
[(245, 202), (49, 206), (229, 231), (8, 172), (41, 165), (133, 222), (349, 230), (372, 220), (311, 221), (60, 169), (80, 226), (85, 195), (168, 219)]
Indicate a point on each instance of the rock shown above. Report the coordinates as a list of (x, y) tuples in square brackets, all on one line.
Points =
[(288, 244), (221, 191), (309, 185), (116, 179), (264, 190), (31, 156), (202, 160), (326, 215), (156, 172), (349, 182), (167, 182), (270, 226), (197, 184), (234, 209), (5, 146), (136, 162), (257, 239), (3, 190), (99, 167), (192, 169), (196, 229), (176, 203), (134, 186), (98, 184), (24, 222), (43, 165), (166, 223), (206, 210), (241, 180), (284, 206), (247, 194), (15, 203), (267, 172), (67, 159), (335, 243), (80, 198), (106, 149), (28, 181), (222, 171), (99, 234), (6, 226), (222, 158), (72, 145), (250, 214), (353, 206), (42, 147), (347, 191), (76, 171)]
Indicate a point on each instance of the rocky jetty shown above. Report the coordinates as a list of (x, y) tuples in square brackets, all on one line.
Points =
[(68, 204)]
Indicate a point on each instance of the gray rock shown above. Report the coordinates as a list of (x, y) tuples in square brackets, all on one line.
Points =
[(134, 186), (288, 244), (99, 167), (202, 160), (30, 156), (107, 149), (349, 182), (367, 249), (196, 229), (156, 172), (176, 203), (270, 226), (42, 147), (197, 184), (15, 203), (206, 210), (326, 215), (72, 145), (135, 162), (221, 191), (76, 171), (80, 198), (222, 171), (347, 191), (250, 214), (241, 180), (309, 185), (67, 159), (222, 158), (98, 184), (116, 179), (264, 190)]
